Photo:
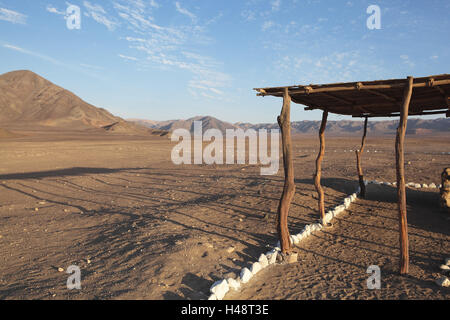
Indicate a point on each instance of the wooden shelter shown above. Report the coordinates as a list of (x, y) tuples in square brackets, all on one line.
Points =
[(385, 98)]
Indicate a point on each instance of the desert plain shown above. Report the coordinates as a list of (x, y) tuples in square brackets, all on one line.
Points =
[(141, 227)]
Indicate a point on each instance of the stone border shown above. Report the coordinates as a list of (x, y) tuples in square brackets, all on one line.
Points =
[(220, 288)]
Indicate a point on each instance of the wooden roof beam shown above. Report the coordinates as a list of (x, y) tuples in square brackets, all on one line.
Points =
[(333, 96), (444, 95), (353, 86), (387, 97), (387, 115)]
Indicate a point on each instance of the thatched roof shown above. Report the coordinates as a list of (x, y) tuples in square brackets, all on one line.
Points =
[(371, 98)]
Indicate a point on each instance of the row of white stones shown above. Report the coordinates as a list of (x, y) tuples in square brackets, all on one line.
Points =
[(409, 184), (220, 288)]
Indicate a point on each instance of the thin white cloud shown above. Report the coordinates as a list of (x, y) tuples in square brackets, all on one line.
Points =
[(154, 4), (165, 47), (96, 12), (267, 25), (333, 67), (248, 15), (128, 58), (276, 5), (134, 13), (12, 16), (90, 66), (34, 54), (52, 9), (185, 11), (55, 61), (406, 60)]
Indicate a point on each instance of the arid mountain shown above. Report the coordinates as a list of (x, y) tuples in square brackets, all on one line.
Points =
[(342, 127), (26, 97), (29, 101), (171, 125)]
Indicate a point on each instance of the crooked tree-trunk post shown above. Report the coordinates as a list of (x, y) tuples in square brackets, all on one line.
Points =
[(284, 121), (319, 166), (359, 153), (400, 166)]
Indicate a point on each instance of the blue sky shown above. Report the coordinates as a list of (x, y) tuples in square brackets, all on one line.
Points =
[(160, 60)]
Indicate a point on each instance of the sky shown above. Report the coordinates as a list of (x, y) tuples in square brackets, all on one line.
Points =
[(163, 59)]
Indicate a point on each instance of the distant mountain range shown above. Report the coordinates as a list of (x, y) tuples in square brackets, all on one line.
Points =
[(342, 127)]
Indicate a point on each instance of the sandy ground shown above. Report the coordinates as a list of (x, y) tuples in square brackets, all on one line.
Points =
[(333, 263), (140, 227)]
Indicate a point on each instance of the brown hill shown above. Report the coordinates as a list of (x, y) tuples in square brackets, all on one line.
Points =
[(28, 101), (28, 98)]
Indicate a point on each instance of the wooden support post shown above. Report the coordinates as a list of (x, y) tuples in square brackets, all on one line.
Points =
[(319, 166), (400, 166), (359, 153), (284, 121)]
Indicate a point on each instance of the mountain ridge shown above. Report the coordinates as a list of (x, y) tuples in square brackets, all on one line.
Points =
[(339, 127)]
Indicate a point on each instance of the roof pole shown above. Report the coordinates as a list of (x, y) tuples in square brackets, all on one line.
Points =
[(319, 166), (400, 166), (359, 153), (284, 121)]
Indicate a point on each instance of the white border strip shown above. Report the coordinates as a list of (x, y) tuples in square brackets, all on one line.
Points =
[(220, 288)]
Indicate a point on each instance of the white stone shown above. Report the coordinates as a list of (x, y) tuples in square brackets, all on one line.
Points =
[(233, 283), (444, 267), (417, 186), (220, 289), (291, 239), (432, 185), (327, 218), (272, 257), (263, 261), (443, 282), (339, 209), (425, 186), (212, 297), (347, 203), (246, 275), (255, 268)]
